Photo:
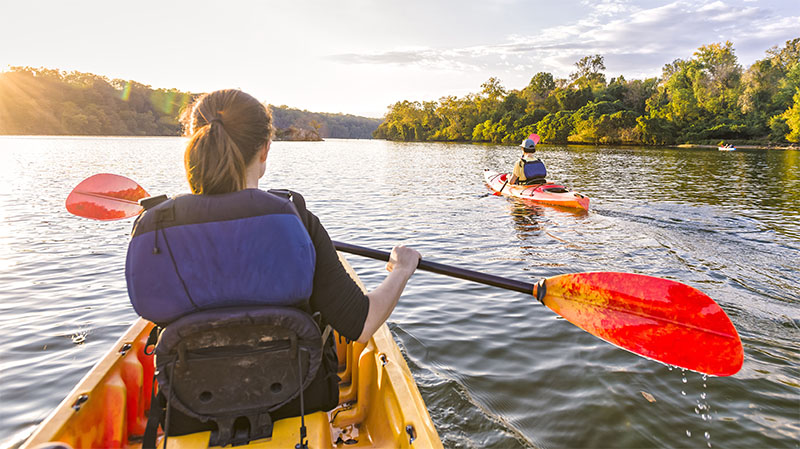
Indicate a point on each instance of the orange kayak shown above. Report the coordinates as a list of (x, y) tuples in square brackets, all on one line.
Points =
[(379, 403), (552, 194)]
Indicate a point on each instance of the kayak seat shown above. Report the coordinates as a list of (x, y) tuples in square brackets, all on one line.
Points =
[(233, 366), (532, 181)]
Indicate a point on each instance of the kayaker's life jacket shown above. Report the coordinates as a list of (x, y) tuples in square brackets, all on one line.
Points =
[(534, 171), (230, 276), (199, 252)]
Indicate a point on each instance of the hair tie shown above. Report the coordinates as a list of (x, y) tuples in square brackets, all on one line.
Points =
[(216, 119)]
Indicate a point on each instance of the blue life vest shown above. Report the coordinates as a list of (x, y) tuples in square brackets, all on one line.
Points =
[(534, 169), (199, 252)]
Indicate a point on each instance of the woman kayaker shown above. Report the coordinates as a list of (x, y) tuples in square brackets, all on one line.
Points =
[(529, 169), (231, 244)]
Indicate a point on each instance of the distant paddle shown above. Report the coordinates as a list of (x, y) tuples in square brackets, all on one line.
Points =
[(504, 186), (656, 318)]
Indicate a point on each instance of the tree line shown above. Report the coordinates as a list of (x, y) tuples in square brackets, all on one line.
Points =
[(708, 98), (41, 101), (53, 102), (338, 126)]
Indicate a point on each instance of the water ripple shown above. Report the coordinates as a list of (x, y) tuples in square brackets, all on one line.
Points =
[(495, 368)]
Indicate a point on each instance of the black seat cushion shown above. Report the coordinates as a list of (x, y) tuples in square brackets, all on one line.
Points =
[(223, 365)]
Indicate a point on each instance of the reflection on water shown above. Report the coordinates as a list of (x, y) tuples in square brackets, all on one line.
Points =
[(527, 219), (496, 369)]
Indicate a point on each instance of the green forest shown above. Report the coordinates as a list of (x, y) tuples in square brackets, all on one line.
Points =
[(40, 101), (706, 99), (51, 102)]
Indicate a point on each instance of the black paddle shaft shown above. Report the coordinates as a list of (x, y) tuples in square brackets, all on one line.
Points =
[(433, 267)]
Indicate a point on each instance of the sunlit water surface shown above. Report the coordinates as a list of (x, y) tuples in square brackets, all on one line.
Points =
[(496, 369)]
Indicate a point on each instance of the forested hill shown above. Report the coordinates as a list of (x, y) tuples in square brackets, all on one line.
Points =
[(39, 101), (52, 102), (708, 98), (328, 125)]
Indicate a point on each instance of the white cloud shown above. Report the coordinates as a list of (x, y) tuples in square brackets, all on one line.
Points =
[(716, 6), (635, 41), (736, 16), (609, 7)]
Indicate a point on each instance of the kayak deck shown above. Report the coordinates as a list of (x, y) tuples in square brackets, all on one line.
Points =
[(548, 193), (379, 402)]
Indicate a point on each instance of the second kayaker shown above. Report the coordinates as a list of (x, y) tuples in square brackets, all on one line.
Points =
[(529, 169)]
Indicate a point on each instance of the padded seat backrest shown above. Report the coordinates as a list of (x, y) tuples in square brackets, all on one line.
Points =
[(233, 366)]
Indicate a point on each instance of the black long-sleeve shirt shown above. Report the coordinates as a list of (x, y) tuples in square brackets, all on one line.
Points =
[(335, 294)]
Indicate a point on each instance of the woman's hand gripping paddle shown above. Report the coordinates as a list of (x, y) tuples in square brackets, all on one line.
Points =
[(656, 318)]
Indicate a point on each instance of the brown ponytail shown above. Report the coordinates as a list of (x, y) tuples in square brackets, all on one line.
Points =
[(227, 128)]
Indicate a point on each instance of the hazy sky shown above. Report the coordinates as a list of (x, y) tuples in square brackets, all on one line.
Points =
[(359, 56)]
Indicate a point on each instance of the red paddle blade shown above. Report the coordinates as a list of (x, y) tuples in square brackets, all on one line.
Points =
[(106, 197), (657, 318), (535, 138)]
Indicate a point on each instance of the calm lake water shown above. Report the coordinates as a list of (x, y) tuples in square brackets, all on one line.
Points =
[(496, 369)]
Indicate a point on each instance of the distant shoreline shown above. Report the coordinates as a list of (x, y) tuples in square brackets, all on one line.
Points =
[(91, 105), (795, 147), (290, 134), (155, 136), (744, 147)]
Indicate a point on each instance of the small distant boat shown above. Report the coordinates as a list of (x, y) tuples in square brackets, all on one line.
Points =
[(727, 148)]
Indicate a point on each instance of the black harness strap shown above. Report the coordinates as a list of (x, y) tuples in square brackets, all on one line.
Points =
[(303, 441), (154, 418), (156, 413)]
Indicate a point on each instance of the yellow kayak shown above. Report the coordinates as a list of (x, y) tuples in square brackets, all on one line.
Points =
[(379, 403)]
